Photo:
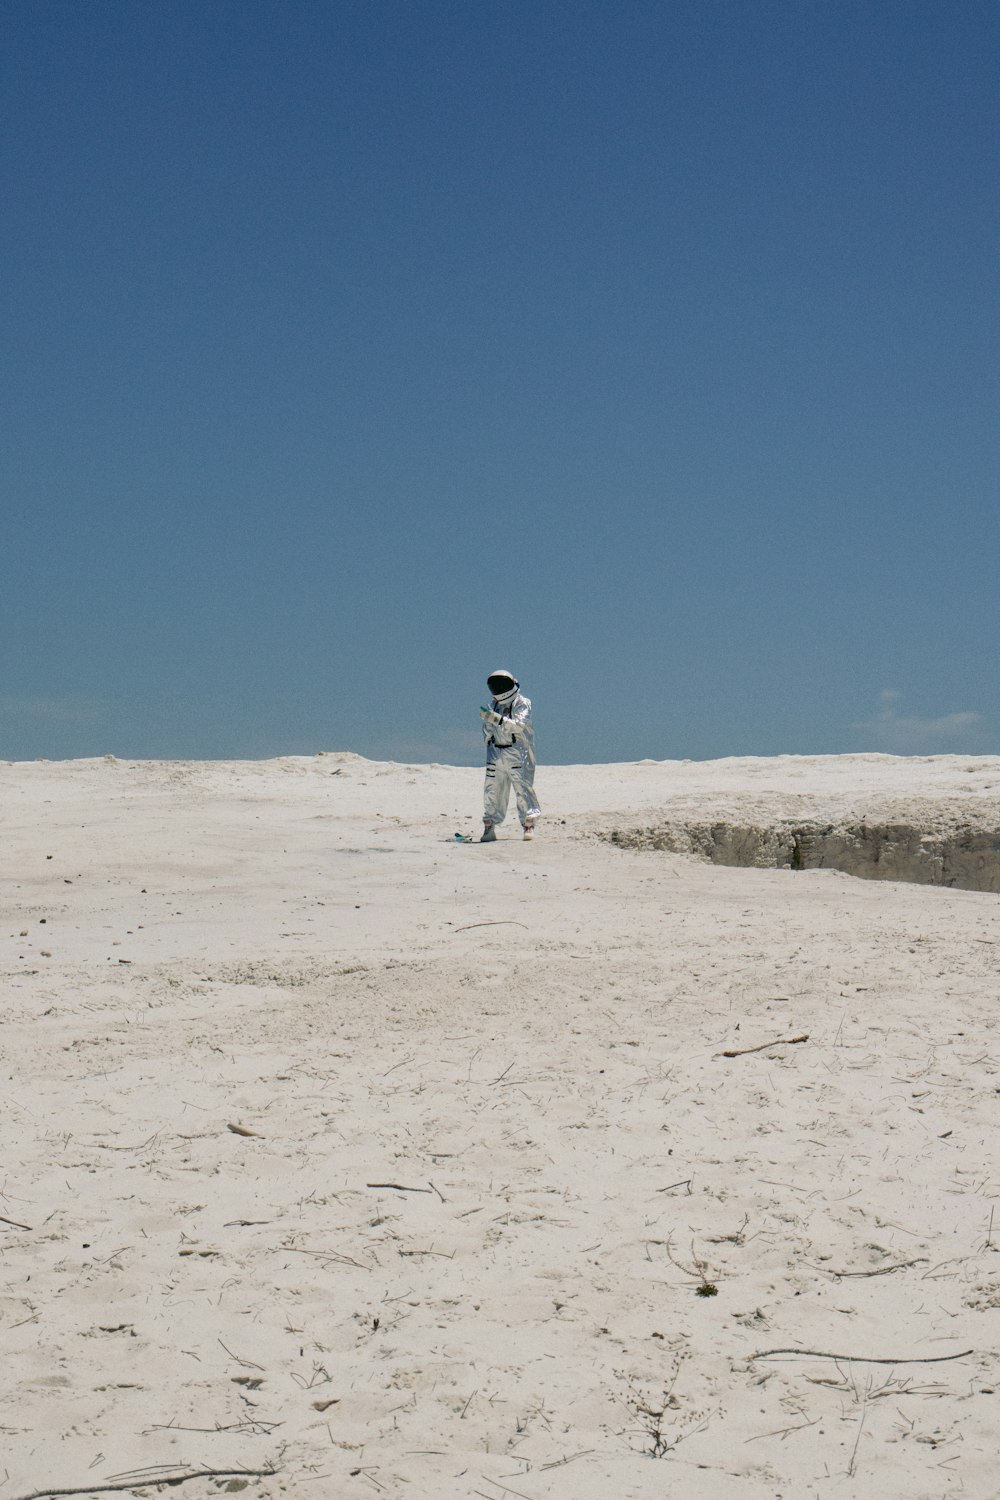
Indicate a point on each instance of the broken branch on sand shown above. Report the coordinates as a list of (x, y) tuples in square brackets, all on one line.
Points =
[(470, 925), (328, 1257), (783, 1432), (14, 1224), (397, 1187), (865, 1359), (150, 1479), (248, 1364), (786, 1041), (921, 1260)]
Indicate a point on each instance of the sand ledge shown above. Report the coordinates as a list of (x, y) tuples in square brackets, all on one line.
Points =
[(965, 859)]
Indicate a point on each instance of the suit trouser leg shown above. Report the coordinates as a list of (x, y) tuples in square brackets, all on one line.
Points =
[(523, 780), (496, 792)]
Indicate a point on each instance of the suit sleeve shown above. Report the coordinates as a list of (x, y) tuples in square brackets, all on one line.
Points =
[(518, 718)]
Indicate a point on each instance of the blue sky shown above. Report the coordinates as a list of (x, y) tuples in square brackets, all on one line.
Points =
[(354, 348)]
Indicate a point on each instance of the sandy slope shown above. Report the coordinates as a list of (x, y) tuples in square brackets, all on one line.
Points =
[(296, 948)]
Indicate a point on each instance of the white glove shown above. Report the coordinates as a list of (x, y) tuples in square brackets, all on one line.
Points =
[(489, 717)]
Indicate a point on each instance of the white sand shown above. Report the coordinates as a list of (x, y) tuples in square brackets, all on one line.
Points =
[(296, 947)]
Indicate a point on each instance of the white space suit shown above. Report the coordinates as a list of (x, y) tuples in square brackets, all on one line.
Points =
[(510, 755)]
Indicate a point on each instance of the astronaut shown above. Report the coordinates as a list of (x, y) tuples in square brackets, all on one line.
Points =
[(510, 756)]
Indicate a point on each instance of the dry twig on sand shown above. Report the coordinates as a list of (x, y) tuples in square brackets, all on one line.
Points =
[(557, 1463), (786, 1041), (397, 1187), (248, 1364), (783, 1432), (150, 1478), (921, 1260), (851, 1467), (865, 1359), (14, 1224), (469, 926)]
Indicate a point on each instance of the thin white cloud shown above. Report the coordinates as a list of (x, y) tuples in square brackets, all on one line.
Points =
[(65, 709), (443, 747), (913, 734)]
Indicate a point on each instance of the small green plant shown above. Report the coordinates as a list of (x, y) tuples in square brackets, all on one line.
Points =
[(698, 1272)]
